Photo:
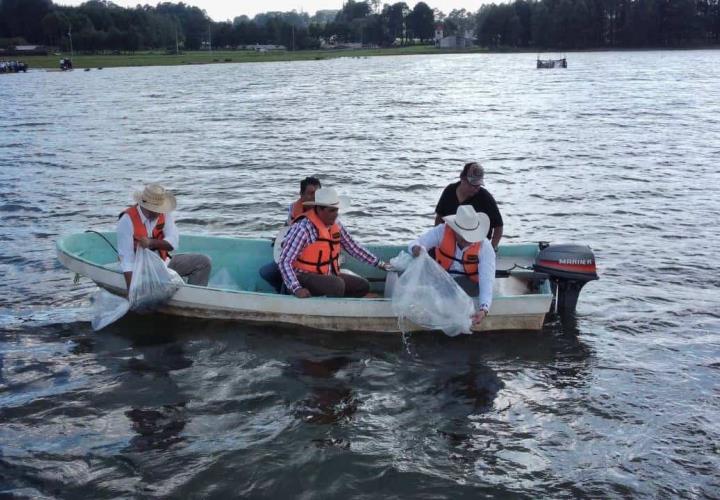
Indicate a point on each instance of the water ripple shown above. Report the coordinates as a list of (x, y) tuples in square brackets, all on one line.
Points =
[(621, 404)]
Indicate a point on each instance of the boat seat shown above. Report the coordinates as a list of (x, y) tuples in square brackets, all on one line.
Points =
[(504, 262), (113, 266)]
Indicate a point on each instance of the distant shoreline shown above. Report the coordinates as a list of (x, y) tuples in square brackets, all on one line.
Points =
[(140, 59)]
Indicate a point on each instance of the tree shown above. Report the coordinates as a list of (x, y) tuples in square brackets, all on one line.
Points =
[(541, 26), (23, 18), (324, 16), (54, 26), (101, 24), (460, 22), (422, 22), (353, 10), (524, 15), (395, 16)]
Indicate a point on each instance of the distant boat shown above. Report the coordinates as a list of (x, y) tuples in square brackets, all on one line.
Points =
[(13, 67), (551, 63), (529, 279)]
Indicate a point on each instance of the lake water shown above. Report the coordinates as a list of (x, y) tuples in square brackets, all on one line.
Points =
[(619, 151)]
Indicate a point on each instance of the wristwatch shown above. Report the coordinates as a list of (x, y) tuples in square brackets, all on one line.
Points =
[(484, 308)]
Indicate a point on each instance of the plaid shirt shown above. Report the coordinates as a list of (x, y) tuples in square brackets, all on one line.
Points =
[(304, 233)]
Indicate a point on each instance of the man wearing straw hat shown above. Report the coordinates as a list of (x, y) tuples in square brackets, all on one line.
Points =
[(150, 224), (271, 272), (461, 247), (310, 257)]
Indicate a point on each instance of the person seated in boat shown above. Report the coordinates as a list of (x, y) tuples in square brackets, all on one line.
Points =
[(310, 257), (270, 272), (150, 224), (308, 186), (461, 247), (470, 191)]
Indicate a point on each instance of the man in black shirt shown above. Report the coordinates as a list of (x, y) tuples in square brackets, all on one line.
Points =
[(470, 191)]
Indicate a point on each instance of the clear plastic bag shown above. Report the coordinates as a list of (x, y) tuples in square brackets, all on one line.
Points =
[(426, 295), (401, 261), (107, 308), (391, 279), (152, 282)]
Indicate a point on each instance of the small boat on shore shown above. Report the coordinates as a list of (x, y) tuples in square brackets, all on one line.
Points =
[(530, 279)]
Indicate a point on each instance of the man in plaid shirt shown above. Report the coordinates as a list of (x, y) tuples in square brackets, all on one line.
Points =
[(309, 259)]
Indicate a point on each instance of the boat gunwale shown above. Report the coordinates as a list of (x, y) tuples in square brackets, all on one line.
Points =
[(61, 247)]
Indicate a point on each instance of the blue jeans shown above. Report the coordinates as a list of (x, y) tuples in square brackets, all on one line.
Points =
[(271, 273)]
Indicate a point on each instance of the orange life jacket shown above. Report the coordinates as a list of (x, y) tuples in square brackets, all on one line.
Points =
[(297, 209), (139, 230), (323, 255), (445, 255)]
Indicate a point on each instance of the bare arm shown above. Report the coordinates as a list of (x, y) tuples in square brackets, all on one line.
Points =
[(496, 235), (430, 239), (155, 244), (160, 245)]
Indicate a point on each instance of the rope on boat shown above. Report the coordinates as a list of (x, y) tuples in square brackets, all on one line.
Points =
[(106, 240)]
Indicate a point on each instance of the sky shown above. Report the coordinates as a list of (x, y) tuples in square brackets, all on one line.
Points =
[(222, 10)]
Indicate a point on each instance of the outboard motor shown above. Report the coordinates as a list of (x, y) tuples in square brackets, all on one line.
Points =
[(569, 267)]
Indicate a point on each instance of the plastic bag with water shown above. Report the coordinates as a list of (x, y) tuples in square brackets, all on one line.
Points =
[(107, 308), (152, 282), (428, 296), (401, 261)]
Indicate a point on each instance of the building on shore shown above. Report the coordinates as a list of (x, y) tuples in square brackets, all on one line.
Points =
[(455, 42), (25, 50), (334, 43), (452, 41), (259, 47)]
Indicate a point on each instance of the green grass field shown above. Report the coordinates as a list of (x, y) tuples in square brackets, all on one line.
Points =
[(219, 57)]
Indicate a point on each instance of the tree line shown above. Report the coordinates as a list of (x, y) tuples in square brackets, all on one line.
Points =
[(100, 25), (578, 24)]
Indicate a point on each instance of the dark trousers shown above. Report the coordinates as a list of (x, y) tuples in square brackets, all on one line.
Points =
[(470, 287), (330, 285), (271, 273)]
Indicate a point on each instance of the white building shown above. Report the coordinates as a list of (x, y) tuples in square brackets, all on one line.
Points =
[(455, 42), (452, 41), (264, 47), (439, 30)]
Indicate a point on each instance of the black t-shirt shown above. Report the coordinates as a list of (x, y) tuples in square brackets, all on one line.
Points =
[(482, 201)]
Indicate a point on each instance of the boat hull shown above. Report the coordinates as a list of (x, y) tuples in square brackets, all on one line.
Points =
[(508, 313)]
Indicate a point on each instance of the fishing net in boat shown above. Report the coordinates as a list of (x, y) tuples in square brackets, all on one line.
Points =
[(427, 296), (152, 282)]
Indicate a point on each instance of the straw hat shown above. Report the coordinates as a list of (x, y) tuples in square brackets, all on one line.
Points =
[(471, 225), (328, 197), (156, 199)]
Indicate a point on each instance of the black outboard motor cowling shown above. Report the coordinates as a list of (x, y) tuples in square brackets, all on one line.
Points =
[(570, 267)]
